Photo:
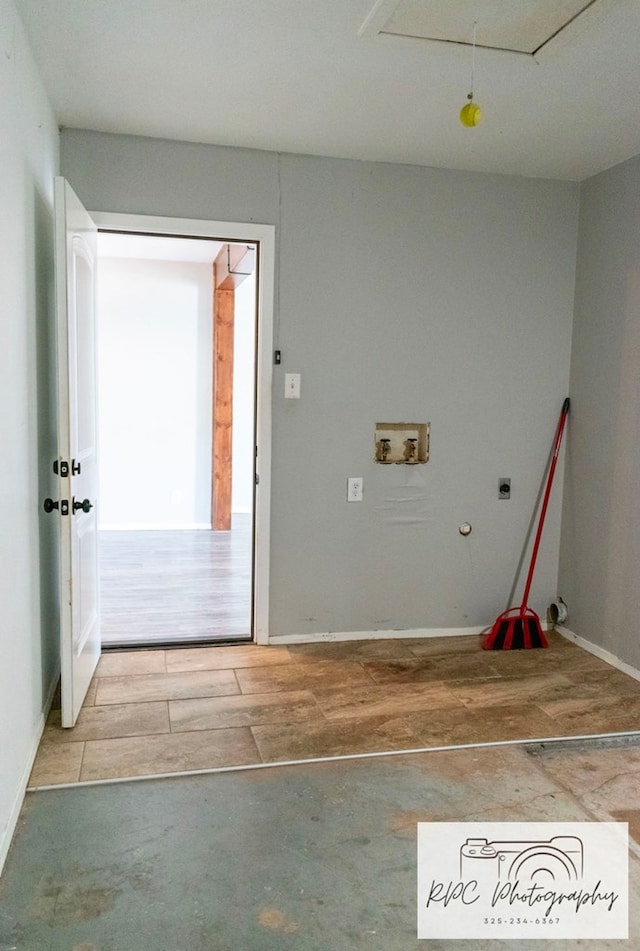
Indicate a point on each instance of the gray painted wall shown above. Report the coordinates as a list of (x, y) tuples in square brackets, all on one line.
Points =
[(601, 522), (29, 628), (402, 294)]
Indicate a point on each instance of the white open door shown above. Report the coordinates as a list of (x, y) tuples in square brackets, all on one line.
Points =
[(76, 465)]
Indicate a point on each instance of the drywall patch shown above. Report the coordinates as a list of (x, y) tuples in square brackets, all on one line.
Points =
[(407, 504)]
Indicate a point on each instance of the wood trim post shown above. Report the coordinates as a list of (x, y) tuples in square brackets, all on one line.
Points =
[(227, 275), (222, 454)]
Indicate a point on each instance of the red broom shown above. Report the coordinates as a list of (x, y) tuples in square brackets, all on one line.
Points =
[(518, 628)]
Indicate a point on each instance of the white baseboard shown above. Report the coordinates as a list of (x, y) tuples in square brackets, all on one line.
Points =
[(570, 635), (6, 837), (374, 635), (599, 652)]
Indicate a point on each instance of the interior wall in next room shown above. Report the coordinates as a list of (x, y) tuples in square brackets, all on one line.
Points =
[(155, 373)]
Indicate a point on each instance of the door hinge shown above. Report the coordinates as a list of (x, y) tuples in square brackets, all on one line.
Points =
[(61, 468), (257, 479)]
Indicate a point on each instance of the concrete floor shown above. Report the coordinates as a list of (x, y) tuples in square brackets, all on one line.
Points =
[(311, 857)]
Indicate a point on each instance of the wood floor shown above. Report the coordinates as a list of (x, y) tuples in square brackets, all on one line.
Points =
[(162, 587), (167, 711)]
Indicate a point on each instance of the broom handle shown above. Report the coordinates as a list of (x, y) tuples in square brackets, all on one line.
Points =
[(547, 493)]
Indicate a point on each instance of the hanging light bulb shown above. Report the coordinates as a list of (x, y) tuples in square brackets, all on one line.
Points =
[(471, 113)]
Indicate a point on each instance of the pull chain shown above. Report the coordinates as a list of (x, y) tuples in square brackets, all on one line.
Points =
[(471, 114), (473, 59)]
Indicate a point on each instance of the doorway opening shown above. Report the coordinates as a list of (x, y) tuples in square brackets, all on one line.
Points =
[(177, 344)]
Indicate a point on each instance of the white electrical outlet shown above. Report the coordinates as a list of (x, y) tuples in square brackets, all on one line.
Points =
[(355, 489)]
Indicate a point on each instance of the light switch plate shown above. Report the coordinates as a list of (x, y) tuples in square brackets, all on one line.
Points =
[(292, 386)]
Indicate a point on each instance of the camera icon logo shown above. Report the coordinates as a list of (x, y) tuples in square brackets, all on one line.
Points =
[(559, 859)]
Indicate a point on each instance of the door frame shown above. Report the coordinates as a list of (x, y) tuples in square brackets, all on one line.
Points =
[(264, 237)]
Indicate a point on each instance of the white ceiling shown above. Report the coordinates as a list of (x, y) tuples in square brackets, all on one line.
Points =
[(318, 76), (157, 248)]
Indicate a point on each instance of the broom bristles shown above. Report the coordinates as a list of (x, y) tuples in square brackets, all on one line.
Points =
[(521, 631)]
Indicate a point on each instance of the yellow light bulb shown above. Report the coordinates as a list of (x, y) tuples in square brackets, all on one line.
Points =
[(470, 115)]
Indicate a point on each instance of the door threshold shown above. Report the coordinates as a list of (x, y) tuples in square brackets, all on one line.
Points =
[(527, 745), (119, 647)]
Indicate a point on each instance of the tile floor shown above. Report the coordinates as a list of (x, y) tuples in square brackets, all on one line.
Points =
[(169, 711)]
